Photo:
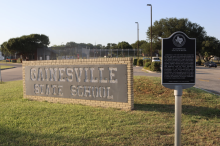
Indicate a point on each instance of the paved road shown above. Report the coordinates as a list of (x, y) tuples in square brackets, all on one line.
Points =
[(206, 78), (12, 74)]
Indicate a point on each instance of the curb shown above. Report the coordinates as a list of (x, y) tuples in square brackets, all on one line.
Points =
[(218, 94), (150, 71)]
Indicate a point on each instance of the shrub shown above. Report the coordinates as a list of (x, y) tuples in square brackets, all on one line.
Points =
[(140, 62), (147, 64), (135, 62), (145, 61), (155, 66), (14, 60)]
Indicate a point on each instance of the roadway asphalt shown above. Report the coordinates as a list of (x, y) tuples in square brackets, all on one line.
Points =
[(12, 74), (206, 78)]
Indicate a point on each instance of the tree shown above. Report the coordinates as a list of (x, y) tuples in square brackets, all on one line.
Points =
[(99, 46), (26, 43), (114, 46), (210, 46), (124, 45), (82, 45), (90, 46), (165, 27), (4, 49), (134, 45), (146, 48), (108, 46), (71, 44)]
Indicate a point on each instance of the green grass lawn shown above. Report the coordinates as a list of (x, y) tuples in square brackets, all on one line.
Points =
[(5, 67), (25, 122)]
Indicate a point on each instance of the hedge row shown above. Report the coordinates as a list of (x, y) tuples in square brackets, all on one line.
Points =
[(13, 60), (153, 66), (140, 62)]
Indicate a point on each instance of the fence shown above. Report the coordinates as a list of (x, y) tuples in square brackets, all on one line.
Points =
[(84, 53)]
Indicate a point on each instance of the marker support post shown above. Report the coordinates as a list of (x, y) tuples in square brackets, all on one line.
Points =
[(178, 112)]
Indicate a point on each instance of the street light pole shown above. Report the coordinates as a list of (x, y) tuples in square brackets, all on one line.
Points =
[(137, 38), (63, 49), (151, 32)]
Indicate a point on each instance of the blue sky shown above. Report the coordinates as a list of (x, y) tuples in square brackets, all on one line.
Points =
[(100, 21)]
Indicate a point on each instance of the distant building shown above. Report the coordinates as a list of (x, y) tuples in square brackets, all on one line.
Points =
[(45, 54)]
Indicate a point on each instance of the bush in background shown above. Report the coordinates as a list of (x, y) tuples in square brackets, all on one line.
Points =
[(135, 62), (155, 66), (147, 64), (14, 60), (145, 61), (140, 62)]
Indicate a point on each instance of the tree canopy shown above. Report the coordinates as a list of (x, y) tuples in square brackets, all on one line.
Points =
[(147, 46), (124, 45), (71, 44), (80, 45), (25, 44), (165, 27), (210, 46), (134, 45), (120, 45)]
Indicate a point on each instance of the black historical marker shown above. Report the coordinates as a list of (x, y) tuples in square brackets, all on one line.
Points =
[(178, 60)]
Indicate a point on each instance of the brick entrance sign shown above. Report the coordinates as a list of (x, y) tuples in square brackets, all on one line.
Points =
[(106, 82)]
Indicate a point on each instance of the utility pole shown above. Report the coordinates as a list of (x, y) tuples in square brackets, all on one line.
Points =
[(137, 39), (151, 32)]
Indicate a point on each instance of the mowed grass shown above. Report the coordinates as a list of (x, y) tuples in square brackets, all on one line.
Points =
[(24, 122), (4, 61), (5, 67)]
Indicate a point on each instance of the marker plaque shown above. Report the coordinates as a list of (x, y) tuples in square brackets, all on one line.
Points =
[(178, 60)]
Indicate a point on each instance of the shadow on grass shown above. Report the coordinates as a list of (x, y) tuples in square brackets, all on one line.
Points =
[(186, 109), (9, 136)]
